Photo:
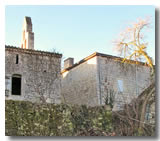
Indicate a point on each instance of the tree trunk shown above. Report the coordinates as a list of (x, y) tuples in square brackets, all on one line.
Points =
[(142, 116)]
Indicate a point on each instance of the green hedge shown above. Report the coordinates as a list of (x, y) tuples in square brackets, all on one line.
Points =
[(29, 119)]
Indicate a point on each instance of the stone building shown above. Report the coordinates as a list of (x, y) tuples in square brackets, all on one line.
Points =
[(30, 74), (100, 79)]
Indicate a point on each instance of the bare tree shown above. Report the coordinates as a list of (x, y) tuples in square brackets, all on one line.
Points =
[(131, 44), (131, 120)]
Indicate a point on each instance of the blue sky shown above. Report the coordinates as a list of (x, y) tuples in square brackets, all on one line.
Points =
[(76, 31)]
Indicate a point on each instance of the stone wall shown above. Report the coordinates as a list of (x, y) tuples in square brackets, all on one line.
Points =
[(79, 85), (124, 80), (40, 74), (97, 79)]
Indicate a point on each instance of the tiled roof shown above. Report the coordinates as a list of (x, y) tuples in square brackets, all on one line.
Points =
[(31, 51), (102, 55)]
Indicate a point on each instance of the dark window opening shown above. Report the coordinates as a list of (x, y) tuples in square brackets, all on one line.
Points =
[(17, 59), (16, 85)]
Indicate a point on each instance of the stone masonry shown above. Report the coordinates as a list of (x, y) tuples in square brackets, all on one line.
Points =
[(39, 73), (79, 85), (95, 80), (32, 75), (124, 80), (97, 76)]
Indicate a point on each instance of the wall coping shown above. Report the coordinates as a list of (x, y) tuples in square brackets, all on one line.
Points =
[(31, 51)]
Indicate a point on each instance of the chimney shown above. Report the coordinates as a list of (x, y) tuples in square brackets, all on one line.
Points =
[(27, 34), (68, 62)]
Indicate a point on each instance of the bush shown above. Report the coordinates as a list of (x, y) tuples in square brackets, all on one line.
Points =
[(28, 119)]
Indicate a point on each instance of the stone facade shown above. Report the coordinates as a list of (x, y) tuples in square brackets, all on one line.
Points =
[(96, 80), (97, 77), (79, 84), (35, 73), (32, 75), (124, 80)]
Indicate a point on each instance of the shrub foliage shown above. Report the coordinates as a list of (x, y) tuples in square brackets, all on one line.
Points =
[(29, 119)]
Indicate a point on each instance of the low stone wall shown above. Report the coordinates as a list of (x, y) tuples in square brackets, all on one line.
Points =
[(29, 119)]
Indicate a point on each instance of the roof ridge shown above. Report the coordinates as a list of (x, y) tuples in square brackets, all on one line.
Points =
[(33, 51), (102, 55)]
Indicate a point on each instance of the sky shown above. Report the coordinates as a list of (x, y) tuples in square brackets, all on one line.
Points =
[(76, 31)]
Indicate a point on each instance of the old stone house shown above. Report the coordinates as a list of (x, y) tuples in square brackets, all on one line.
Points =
[(30, 74), (100, 79)]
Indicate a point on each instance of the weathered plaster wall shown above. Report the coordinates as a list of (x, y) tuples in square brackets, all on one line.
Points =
[(40, 75), (79, 84), (133, 80), (90, 82)]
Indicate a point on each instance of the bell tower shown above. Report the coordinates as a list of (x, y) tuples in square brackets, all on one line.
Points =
[(27, 34)]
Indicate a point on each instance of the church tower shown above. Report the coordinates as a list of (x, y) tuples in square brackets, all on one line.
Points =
[(27, 34)]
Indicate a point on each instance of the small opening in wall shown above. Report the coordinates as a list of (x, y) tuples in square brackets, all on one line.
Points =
[(16, 85), (17, 59)]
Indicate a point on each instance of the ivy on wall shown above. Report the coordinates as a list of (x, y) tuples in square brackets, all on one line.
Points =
[(29, 119)]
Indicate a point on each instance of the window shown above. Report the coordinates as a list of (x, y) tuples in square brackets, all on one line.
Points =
[(16, 84), (120, 86), (17, 59), (7, 85)]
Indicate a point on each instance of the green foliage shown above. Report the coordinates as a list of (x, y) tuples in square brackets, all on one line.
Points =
[(110, 98), (28, 119)]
